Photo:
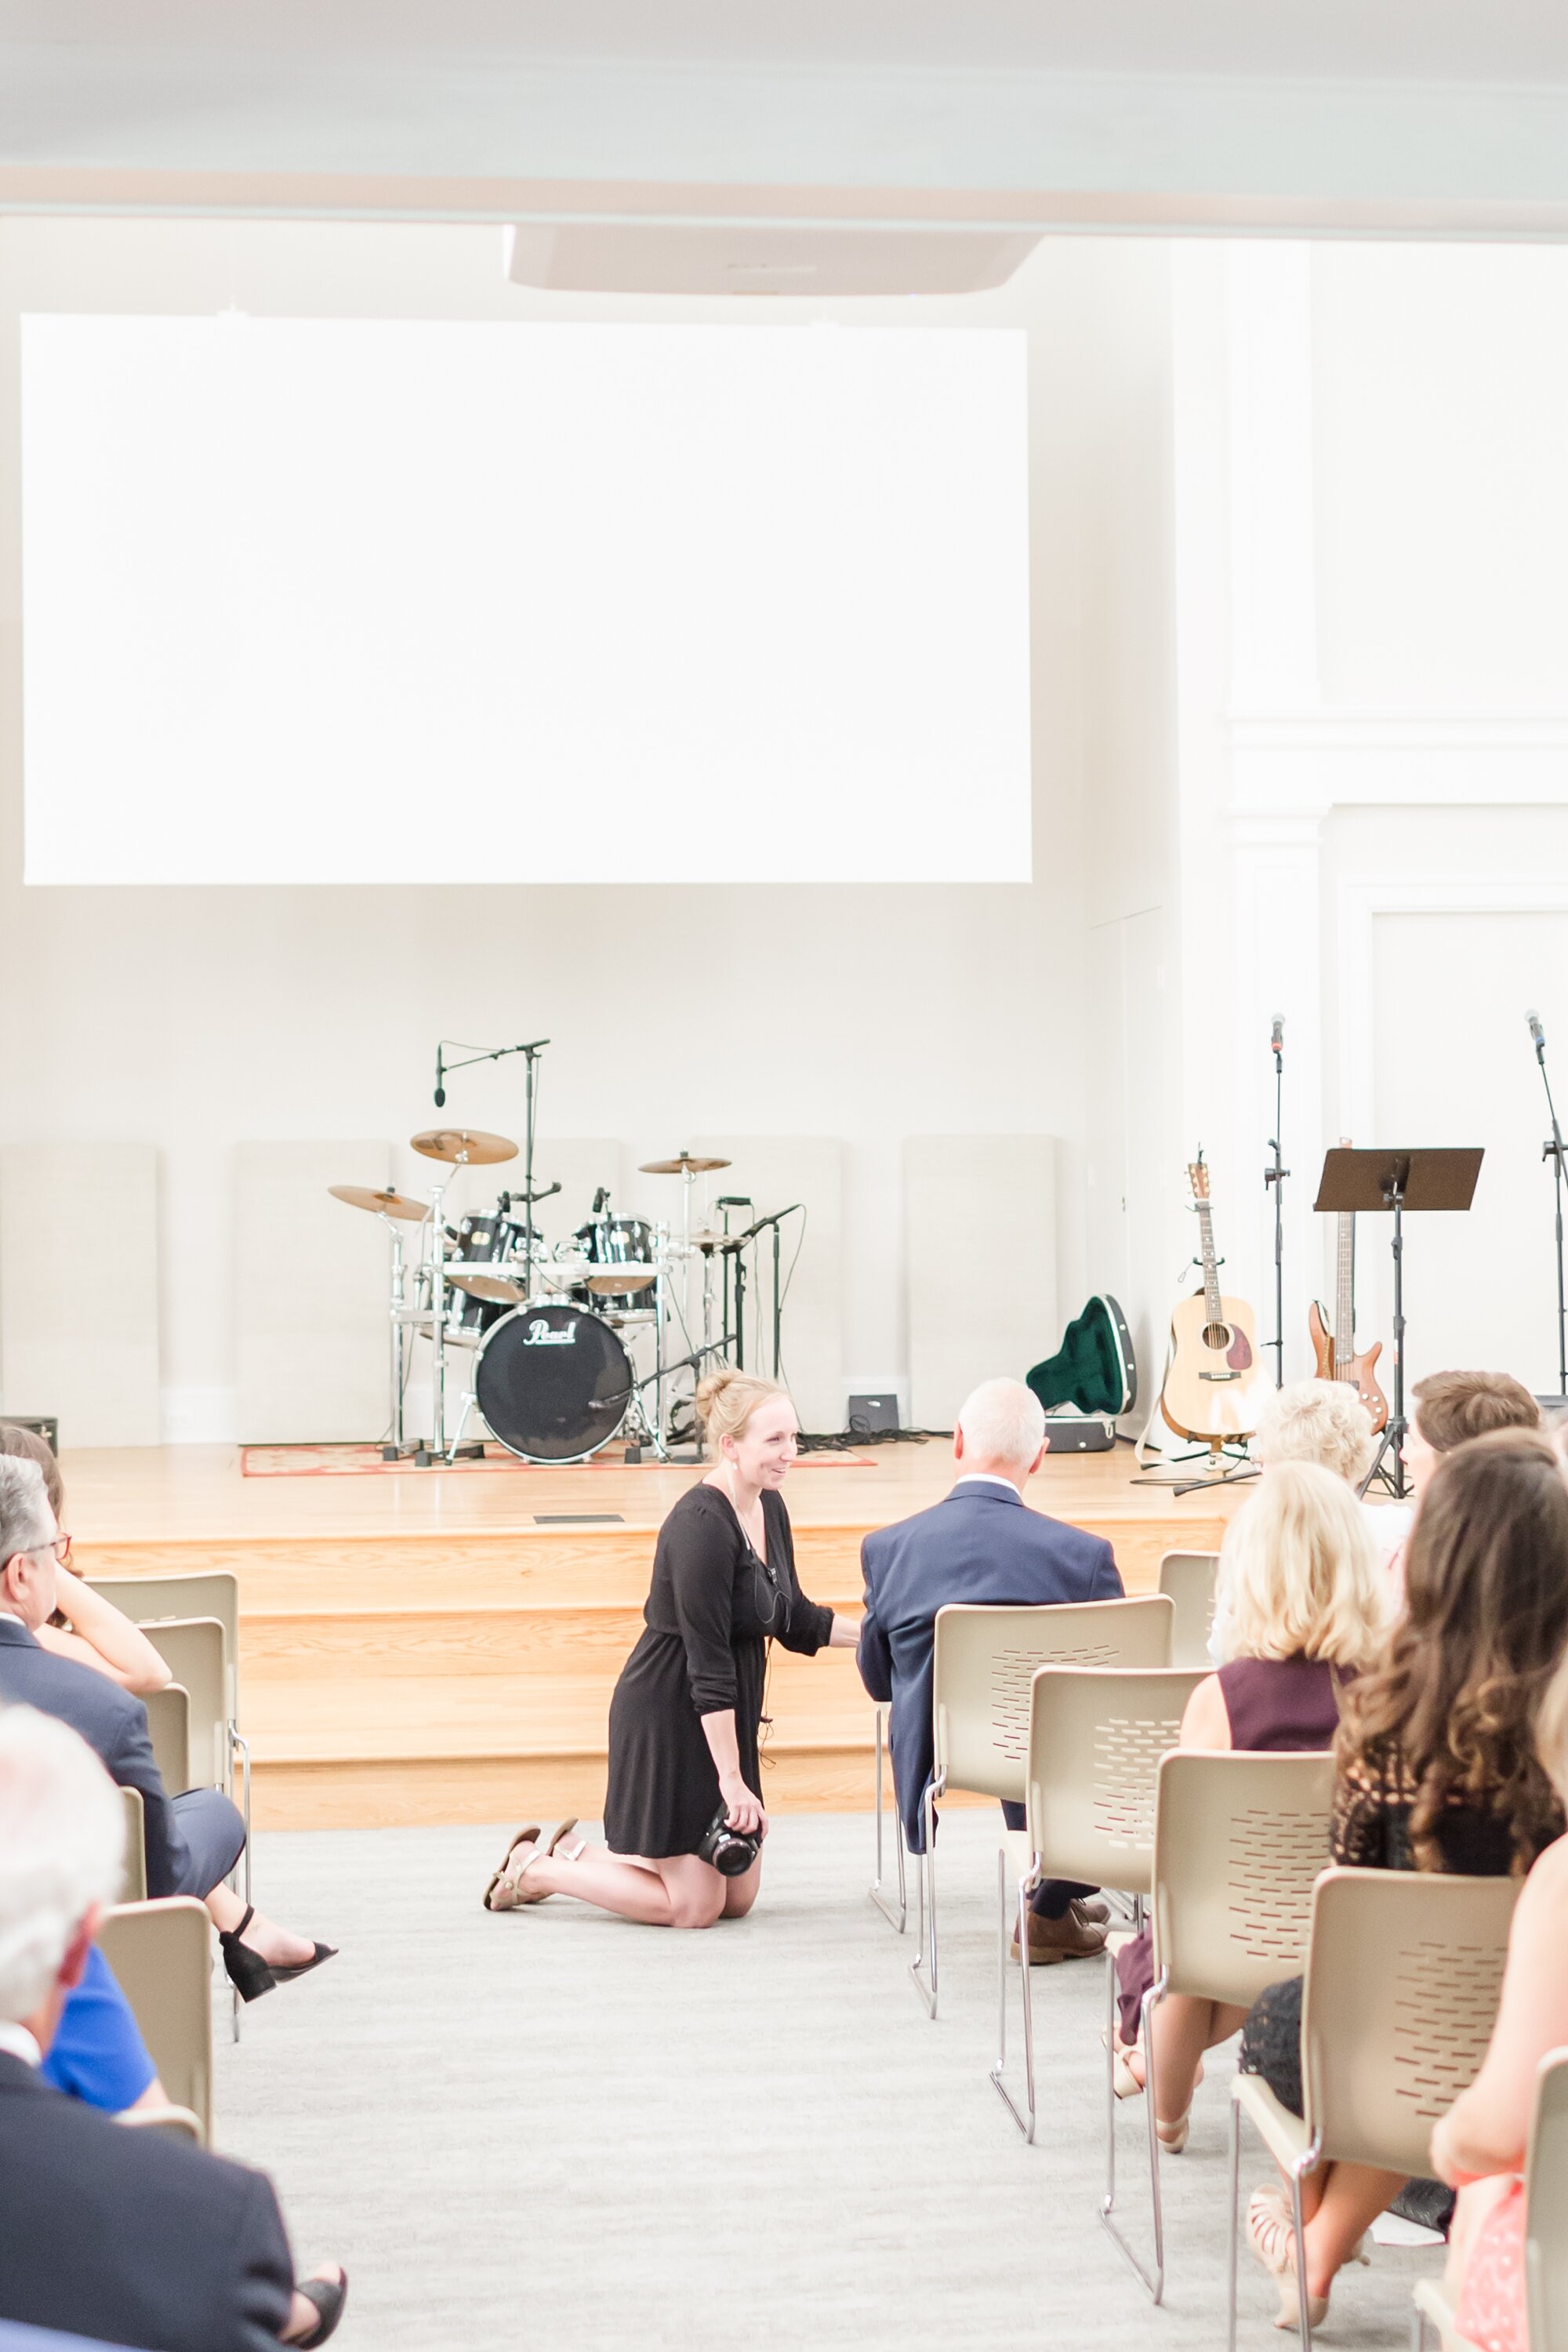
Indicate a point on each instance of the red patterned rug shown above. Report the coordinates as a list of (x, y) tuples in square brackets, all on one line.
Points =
[(365, 1462)]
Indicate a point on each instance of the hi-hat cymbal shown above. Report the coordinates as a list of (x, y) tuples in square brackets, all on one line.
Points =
[(466, 1146), (685, 1163), (381, 1204)]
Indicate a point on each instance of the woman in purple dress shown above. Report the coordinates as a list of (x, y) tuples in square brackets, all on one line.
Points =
[(1301, 1608)]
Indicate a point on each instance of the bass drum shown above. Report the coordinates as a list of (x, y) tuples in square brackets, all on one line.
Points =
[(552, 1382)]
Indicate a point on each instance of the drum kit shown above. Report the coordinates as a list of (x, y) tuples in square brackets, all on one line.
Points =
[(548, 1334)]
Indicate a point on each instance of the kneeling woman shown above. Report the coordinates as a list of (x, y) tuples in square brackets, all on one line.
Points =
[(687, 1709)]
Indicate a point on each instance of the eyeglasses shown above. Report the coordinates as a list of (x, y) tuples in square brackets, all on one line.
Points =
[(59, 1544)]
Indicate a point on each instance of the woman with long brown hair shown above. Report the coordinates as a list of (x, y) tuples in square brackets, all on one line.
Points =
[(1437, 1767)]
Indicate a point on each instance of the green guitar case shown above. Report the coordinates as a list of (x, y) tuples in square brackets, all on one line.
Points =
[(1094, 1369)]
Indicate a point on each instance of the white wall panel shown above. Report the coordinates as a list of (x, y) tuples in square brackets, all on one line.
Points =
[(776, 1171), (79, 1289), (310, 1293), (979, 1222)]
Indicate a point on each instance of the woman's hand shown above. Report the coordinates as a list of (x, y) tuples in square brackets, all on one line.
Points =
[(743, 1811)]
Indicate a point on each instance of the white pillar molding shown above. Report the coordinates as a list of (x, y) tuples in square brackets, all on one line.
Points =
[(1272, 549)]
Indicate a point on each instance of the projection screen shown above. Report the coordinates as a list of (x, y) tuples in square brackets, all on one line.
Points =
[(313, 601)]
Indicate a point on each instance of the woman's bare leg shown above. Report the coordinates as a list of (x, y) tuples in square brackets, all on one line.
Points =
[(1349, 2198), (740, 1894), (1185, 2027), (675, 1891)]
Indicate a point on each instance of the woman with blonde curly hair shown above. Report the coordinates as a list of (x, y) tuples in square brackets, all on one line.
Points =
[(1303, 1608), (1437, 1769), (687, 1711)]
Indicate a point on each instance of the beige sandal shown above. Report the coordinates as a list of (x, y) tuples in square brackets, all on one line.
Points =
[(506, 1891), (1272, 2238), (532, 1830)]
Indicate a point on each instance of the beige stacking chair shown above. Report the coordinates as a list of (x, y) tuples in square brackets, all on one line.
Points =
[(1404, 1969), (133, 1877), (152, 1600), (194, 1649), (1239, 1841), (1545, 2227), (1095, 1741), (169, 1728), (161, 1954), (1190, 1578), (984, 1661)]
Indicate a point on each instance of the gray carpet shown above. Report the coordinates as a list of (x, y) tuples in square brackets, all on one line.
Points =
[(552, 2129)]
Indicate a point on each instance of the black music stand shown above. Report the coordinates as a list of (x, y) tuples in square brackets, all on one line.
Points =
[(1371, 1183)]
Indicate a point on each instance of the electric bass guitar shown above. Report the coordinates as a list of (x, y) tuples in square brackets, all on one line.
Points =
[(1213, 1385), (1335, 1350)]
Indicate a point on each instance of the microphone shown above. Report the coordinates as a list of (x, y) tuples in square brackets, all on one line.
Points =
[(1537, 1031), (1277, 1034), (441, 1089), (600, 1197)]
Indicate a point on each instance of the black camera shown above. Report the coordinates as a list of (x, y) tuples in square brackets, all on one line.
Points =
[(730, 1852)]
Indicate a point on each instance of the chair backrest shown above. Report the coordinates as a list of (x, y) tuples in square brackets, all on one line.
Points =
[(169, 1728), (192, 1648), (213, 1592), (1097, 1735), (1189, 1580), (133, 1877), (161, 1954), (1240, 1840), (1403, 1970), (1546, 2208), (984, 1662)]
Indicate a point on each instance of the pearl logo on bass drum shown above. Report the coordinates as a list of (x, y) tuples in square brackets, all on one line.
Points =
[(539, 1334)]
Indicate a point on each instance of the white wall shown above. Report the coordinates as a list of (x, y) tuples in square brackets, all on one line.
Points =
[(195, 1020), (1372, 502)]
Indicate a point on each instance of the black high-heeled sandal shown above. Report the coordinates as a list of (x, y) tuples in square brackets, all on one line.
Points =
[(249, 1973), (287, 1976), (329, 2297)]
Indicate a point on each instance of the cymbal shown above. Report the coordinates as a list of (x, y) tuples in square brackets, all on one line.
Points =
[(606, 1281), (381, 1204), (685, 1163), (466, 1146)]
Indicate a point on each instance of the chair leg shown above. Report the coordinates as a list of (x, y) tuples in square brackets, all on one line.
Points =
[(898, 1920), (925, 1957), (1235, 2219), (1417, 2330), (1299, 2229), (237, 1740), (1025, 2121), (1155, 2281)]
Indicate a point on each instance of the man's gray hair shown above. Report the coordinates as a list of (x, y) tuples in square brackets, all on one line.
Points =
[(62, 1843), (26, 1521), (1005, 1422)]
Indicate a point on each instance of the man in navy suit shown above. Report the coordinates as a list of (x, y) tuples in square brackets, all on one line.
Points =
[(193, 1839), (132, 2237), (982, 1545)]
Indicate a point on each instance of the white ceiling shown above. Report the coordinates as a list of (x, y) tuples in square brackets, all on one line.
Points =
[(1426, 116)]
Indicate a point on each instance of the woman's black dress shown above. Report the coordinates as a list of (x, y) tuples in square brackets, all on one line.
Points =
[(711, 1610)]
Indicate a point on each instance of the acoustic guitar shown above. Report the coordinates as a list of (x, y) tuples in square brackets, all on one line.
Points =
[(1335, 1350), (1213, 1386)]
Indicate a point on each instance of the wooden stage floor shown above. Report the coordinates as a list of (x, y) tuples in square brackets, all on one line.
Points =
[(436, 1645)]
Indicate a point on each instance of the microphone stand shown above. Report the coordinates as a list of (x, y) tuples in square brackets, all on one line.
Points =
[(532, 1050), (1553, 1150), (1275, 1174)]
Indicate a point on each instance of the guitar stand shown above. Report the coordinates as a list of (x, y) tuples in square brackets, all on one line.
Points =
[(1229, 1464)]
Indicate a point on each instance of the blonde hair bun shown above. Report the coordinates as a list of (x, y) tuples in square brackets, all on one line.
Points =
[(726, 1400)]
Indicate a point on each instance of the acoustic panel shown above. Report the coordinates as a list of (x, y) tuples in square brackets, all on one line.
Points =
[(777, 1171), (980, 1238), (311, 1334), (78, 1338)]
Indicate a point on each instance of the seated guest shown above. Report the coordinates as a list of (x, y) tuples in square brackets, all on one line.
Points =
[(982, 1545), (1450, 1408), (1325, 1421), (84, 1625), (134, 2237), (194, 1840), (1437, 1769), (1304, 1608), (1478, 2146)]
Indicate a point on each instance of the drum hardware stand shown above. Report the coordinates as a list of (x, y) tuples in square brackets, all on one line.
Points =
[(1275, 1174), (1373, 1183), (1552, 1150), (394, 1449)]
